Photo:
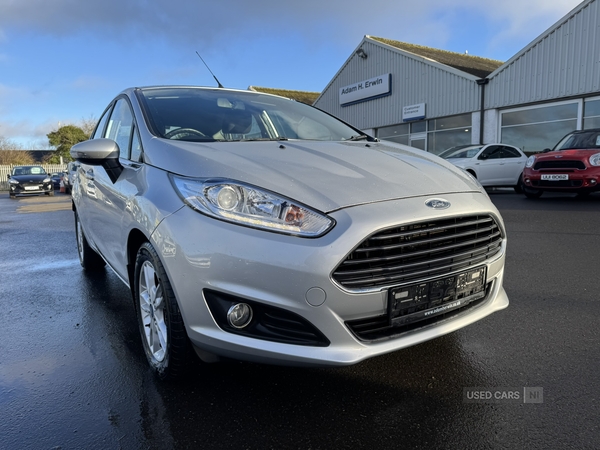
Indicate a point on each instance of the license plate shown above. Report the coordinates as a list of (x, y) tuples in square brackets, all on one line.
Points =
[(32, 188), (555, 177), (407, 304)]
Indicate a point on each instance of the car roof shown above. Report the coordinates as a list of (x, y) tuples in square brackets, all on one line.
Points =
[(589, 130)]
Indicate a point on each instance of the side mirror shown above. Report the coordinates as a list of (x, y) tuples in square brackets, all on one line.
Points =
[(8, 176), (99, 152), (546, 150)]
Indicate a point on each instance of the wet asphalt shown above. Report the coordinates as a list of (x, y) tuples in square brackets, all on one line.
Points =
[(73, 374)]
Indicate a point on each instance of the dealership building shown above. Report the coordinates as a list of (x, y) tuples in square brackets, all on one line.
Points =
[(433, 99)]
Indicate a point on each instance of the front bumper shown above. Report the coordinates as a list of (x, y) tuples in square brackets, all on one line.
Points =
[(30, 189), (283, 273), (588, 179)]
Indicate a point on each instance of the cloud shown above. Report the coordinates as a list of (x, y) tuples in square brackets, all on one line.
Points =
[(211, 23)]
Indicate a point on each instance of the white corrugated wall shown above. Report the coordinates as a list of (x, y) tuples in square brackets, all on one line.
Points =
[(562, 63), (414, 80)]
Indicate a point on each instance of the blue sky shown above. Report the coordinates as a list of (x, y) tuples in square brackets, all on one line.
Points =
[(62, 61)]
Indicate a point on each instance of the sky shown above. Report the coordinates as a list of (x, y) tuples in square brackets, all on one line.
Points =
[(63, 61)]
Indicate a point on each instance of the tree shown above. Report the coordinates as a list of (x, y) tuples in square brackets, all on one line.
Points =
[(88, 125), (11, 153), (63, 139)]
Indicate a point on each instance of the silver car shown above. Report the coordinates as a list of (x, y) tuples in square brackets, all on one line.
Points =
[(253, 227)]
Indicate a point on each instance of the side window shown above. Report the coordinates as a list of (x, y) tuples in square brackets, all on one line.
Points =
[(136, 148), (120, 127), (99, 132), (509, 152), (493, 152)]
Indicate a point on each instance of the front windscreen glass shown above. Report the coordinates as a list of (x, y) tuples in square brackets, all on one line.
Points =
[(461, 153), (587, 140), (194, 114), (29, 170)]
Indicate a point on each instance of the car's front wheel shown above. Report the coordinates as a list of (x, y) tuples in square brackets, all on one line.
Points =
[(532, 193), (519, 186), (160, 322), (88, 258)]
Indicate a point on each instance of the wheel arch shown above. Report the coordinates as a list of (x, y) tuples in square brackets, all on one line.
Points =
[(472, 172), (134, 242)]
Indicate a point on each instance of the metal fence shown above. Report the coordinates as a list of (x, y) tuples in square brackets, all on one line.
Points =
[(6, 170)]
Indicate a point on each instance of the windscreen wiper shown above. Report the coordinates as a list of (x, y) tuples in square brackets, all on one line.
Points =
[(358, 137), (278, 138)]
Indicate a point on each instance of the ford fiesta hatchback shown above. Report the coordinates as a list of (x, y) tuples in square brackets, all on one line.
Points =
[(253, 227)]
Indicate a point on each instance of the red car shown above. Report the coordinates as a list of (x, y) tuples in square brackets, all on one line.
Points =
[(572, 166)]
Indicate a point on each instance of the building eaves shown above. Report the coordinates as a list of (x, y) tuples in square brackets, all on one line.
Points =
[(300, 96), (474, 65)]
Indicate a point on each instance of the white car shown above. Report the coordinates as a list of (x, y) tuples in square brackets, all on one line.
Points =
[(494, 165), (254, 227)]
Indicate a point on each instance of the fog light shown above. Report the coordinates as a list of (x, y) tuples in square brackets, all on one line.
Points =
[(592, 182), (239, 315)]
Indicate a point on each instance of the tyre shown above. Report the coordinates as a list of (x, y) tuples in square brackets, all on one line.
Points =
[(12, 196), (88, 258), (164, 338), (532, 193), (519, 186), (50, 193), (583, 194)]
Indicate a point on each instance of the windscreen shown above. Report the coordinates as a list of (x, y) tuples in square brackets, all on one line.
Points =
[(29, 170), (587, 140), (461, 153), (196, 114)]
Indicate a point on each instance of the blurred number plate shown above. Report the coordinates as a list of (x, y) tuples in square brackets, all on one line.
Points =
[(32, 188), (555, 177), (421, 301)]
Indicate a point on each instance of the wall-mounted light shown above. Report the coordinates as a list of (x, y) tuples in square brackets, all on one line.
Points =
[(361, 53)]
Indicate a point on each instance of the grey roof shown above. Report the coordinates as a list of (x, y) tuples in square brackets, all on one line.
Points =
[(474, 65), (300, 96)]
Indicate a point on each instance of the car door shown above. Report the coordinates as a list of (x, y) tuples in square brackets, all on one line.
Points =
[(488, 166), (109, 204), (513, 165)]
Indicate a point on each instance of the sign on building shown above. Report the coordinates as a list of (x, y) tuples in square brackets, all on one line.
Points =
[(413, 112), (375, 87)]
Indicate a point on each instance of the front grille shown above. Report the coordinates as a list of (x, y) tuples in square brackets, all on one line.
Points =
[(559, 164), (558, 183), (379, 328), (420, 250)]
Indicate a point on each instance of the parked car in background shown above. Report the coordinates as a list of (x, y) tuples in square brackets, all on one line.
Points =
[(254, 227), (56, 179), (70, 176), (494, 165), (28, 180), (573, 165)]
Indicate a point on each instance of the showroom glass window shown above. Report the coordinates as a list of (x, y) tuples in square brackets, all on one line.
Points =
[(535, 129), (591, 114), (396, 133), (448, 132)]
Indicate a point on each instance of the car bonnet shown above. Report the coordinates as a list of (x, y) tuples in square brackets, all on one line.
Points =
[(324, 175)]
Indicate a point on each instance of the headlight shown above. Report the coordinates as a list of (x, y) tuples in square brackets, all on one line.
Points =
[(530, 161), (11, 181), (47, 180), (595, 159), (251, 206)]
